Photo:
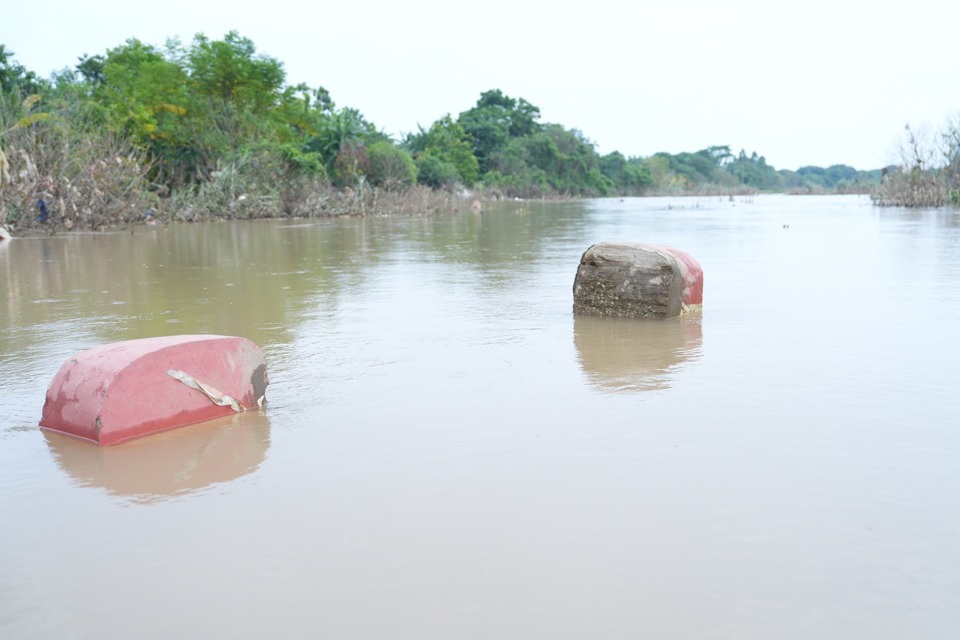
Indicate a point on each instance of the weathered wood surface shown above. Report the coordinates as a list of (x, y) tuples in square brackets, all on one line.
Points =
[(632, 279)]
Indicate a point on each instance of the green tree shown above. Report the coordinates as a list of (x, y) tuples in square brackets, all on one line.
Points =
[(753, 171), (445, 144), (338, 130), (390, 166), (15, 77), (828, 178), (235, 91), (496, 119), (436, 173), (145, 96), (91, 69), (551, 160), (217, 101), (231, 72), (629, 177)]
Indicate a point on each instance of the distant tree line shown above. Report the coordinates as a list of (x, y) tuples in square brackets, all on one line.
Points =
[(213, 129), (717, 169)]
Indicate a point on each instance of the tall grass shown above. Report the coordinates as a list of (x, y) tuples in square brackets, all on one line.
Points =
[(84, 176)]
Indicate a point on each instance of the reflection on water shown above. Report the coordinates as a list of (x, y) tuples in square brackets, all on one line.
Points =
[(252, 278), (169, 464), (636, 354)]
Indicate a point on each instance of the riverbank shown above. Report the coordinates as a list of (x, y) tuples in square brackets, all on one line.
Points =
[(213, 202), (223, 198)]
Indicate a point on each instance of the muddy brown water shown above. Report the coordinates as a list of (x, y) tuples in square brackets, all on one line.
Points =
[(447, 452)]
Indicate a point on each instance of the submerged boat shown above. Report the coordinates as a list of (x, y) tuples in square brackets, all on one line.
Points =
[(117, 392)]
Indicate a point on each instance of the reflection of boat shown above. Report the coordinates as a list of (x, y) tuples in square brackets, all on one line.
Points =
[(636, 353), (171, 463)]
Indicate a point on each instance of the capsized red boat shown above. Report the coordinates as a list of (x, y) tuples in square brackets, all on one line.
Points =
[(125, 390)]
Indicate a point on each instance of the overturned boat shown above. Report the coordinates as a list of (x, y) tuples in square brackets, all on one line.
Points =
[(117, 392)]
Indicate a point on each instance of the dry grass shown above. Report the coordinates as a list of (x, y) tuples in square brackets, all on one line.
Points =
[(912, 188), (254, 188), (86, 178), (923, 178)]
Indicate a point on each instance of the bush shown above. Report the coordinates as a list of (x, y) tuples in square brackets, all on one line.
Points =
[(902, 187), (390, 167), (923, 177), (352, 164), (528, 183), (436, 173)]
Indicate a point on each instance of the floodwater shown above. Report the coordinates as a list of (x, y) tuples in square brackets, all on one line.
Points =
[(446, 452)]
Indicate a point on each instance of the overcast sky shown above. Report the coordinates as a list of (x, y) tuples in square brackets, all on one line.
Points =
[(803, 83)]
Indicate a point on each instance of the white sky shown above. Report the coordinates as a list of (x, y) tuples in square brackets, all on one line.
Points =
[(810, 82)]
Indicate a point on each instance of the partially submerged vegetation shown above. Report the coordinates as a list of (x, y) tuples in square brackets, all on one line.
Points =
[(212, 130), (929, 171)]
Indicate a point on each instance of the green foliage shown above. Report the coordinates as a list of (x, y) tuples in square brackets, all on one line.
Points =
[(14, 77), (838, 177), (194, 108), (707, 168), (445, 144), (336, 130), (713, 169), (303, 161), (436, 173), (215, 118), (91, 68), (716, 169), (551, 160), (230, 71), (828, 178), (629, 176), (143, 95), (390, 166), (519, 156), (495, 120), (753, 171), (303, 112)]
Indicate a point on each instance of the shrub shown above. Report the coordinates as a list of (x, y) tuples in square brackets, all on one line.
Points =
[(390, 167), (352, 164), (436, 173), (903, 187)]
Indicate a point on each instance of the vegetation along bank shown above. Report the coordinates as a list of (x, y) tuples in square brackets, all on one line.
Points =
[(212, 130)]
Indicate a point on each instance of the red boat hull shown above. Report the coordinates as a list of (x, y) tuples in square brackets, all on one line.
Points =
[(125, 390)]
